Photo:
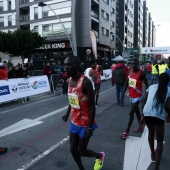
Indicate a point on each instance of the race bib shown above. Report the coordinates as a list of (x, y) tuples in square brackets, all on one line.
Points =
[(132, 82), (73, 100)]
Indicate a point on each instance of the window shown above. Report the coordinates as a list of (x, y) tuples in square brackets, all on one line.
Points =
[(1, 21), (104, 31), (9, 5), (105, 15), (36, 13), (112, 37), (112, 24), (56, 29), (35, 29), (10, 20), (112, 10), (1, 6), (47, 27)]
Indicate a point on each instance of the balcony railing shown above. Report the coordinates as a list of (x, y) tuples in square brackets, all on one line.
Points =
[(56, 32), (23, 1), (24, 18), (93, 14)]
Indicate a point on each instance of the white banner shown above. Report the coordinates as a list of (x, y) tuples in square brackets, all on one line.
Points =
[(155, 50), (107, 74), (22, 87)]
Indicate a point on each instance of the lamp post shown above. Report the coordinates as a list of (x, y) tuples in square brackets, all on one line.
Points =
[(74, 50), (122, 43)]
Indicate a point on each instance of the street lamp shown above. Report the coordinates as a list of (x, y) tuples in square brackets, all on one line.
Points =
[(119, 40), (74, 50)]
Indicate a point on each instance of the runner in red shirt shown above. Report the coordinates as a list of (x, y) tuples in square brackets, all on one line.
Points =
[(82, 109), (134, 82), (99, 72)]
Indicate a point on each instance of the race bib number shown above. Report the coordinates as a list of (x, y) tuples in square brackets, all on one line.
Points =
[(132, 82), (73, 100)]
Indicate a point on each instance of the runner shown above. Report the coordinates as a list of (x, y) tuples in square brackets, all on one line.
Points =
[(82, 108), (134, 82), (91, 74), (155, 104), (99, 72)]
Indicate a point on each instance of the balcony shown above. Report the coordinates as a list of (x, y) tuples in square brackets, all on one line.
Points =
[(24, 18), (23, 2), (93, 14)]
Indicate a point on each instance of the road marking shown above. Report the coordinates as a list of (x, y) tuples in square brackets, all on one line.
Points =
[(137, 152), (21, 125), (36, 159)]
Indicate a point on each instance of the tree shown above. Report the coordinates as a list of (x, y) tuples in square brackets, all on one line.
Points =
[(20, 42)]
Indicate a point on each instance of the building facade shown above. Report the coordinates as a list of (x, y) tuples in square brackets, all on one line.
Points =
[(116, 24)]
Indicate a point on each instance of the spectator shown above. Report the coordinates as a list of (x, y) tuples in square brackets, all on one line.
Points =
[(64, 86), (4, 71), (14, 72), (119, 76), (47, 70), (23, 72)]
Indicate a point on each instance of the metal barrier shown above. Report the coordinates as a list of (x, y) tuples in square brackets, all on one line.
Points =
[(56, 83)]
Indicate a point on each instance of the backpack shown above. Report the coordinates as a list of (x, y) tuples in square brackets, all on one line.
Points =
[(119, 76)]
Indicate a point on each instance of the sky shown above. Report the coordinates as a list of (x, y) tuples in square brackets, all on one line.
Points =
[(160, 14)]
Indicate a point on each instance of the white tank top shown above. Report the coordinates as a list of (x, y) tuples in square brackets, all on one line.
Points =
[(86, 73)]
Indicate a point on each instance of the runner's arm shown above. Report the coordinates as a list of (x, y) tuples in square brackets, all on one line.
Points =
[(144, 101), (143, 77), (126, 86)]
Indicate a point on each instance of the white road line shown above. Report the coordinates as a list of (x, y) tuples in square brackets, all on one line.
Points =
[(21, 125), (33, 161)]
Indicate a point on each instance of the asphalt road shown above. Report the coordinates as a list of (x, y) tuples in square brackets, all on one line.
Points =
[(37, 137)]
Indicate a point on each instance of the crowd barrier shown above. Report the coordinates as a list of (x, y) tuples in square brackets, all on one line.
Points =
[(13, 89), (56, 83)]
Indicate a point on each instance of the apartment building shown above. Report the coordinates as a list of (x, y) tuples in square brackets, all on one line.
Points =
[(98, 16), (126, 23), (138, 24)]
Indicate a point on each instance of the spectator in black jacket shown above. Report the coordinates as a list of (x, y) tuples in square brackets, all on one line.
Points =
[(14, 72)]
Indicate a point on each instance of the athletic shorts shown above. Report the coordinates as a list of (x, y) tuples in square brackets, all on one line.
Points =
[(97, 85), (135, 100), (80, 130), (154, 121)]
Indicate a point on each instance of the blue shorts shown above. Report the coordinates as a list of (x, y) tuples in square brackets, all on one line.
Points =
[(79, 129), (135, 100)]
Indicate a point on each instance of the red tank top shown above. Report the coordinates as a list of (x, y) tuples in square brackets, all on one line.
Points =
[(135, 84), (80, 108), (98, 74)]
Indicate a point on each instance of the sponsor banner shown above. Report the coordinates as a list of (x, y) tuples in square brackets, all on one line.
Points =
[(94, 43), (156, 50), (23, 87), (107, 74)]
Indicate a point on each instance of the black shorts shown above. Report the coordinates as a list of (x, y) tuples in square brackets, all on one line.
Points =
[(154, 121)]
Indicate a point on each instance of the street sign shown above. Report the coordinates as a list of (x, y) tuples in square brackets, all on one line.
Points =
[(134, 50)]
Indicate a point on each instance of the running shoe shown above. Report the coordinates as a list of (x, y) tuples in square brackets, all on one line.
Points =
[(153, 156), (140, 128), (124, 135), (3, 150), (99, 162)]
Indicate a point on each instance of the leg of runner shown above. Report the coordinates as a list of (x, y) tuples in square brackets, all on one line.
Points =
[(97, 89), (74, 143), (134, 106), (160, 137)]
